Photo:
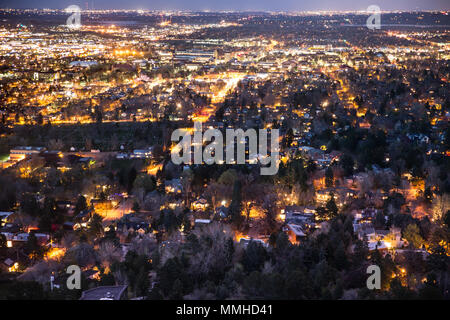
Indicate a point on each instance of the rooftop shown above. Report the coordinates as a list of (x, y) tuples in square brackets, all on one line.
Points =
[(104, 293)]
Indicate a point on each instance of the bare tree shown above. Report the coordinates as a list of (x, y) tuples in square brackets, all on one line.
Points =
[(108, 253), (440, 205)]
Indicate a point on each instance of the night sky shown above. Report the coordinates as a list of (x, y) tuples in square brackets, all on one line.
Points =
[(262, 5)]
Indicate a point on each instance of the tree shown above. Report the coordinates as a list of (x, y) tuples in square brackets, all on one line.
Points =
[(270, 212), (170, 272), (437, 260), (7, 193), (186, 180), (229, 250), (347, 164), (236, 204), (142, 282), (428, 195), (177, 290), (132, 174), (33, 248), (25, 290), (55, 145), (329, 177), (254, 257), (111, 236), (282, 244), (361, 252), (39, 119), (3, 245), (211, 250), (228, 177), (95, 225), (98, 115), (288, 138), (412, 235), (109, 253), (340, 257), (430, 290), (136, 268), (145, 182), (136, 206), (29, 205), (440, 205), (331, 207), (81, 204), (169, 220), (83, 255), (447, 219), (397, 291), (380, 221)]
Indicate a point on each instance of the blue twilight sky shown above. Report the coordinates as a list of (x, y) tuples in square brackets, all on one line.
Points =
[(261, 5)]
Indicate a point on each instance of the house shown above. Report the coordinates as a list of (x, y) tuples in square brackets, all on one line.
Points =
[(141, 153), (369, 212), (295, 233), (8, 237), (364, 216), (42, 238), (83, 217), (86, 161), (122, 156), (222, 211), (323, 195), (325, 159), (365, 231), (246, 241), (173, 186), (200, 204), (418, 137), (4, 217), (101, 204), (105, 293), (63, 204), (68, 226), (20, 153), (9, 265), (131, 222), (320, 158), (200, 222), (299, 221), (21, 237), (10, 228), (300, 215), (341, 195), (379, 239), (92, 274)]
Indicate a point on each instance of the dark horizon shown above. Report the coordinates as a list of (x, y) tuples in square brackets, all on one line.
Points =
[(233, 5)]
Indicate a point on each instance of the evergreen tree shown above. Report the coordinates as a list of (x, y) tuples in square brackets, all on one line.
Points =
[(329, 176), (236, 204), (331, 207)]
